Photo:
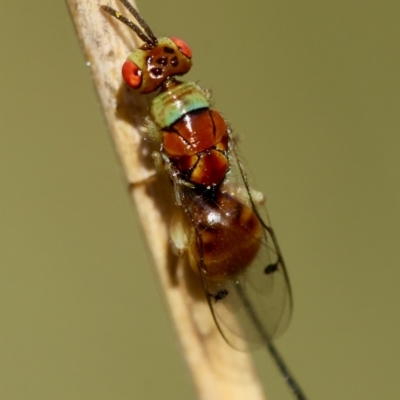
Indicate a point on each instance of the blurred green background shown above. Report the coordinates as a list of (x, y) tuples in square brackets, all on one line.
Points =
[(313, 89)]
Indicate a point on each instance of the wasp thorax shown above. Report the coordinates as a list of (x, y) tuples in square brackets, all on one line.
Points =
[(148, 67)]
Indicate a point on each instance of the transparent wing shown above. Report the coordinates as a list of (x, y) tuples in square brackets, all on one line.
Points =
[(254, 307), (240, 263)]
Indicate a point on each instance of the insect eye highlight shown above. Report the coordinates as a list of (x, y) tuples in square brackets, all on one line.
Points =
[(162, 61), (132, 74), (155, 72), (174, 61)]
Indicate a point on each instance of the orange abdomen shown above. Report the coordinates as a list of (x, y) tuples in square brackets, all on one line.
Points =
[(227, 237)]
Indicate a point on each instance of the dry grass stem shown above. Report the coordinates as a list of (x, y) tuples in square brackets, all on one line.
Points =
[(218, 371)]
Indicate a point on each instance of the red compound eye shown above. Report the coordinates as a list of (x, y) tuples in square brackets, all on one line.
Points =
[(182, 46), (132, 74)]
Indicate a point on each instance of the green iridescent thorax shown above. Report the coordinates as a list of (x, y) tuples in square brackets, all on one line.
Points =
[(177, 101)]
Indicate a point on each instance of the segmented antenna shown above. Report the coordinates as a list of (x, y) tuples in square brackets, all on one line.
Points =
[(150, 39)]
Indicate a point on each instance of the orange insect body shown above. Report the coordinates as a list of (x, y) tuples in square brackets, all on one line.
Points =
[(197, 145), (232, 248), (234, 251), (228, 244)]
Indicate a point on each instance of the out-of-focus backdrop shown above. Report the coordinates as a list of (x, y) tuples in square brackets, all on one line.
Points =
[(313, 91)]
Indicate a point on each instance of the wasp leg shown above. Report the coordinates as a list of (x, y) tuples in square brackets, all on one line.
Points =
[(271, 268), (151, 130), (178, 235), (221, 294)]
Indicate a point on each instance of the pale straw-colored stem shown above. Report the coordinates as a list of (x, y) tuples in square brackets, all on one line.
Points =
[(219, 372)]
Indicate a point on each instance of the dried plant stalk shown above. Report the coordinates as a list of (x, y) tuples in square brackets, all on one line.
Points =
[(218, 371)]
